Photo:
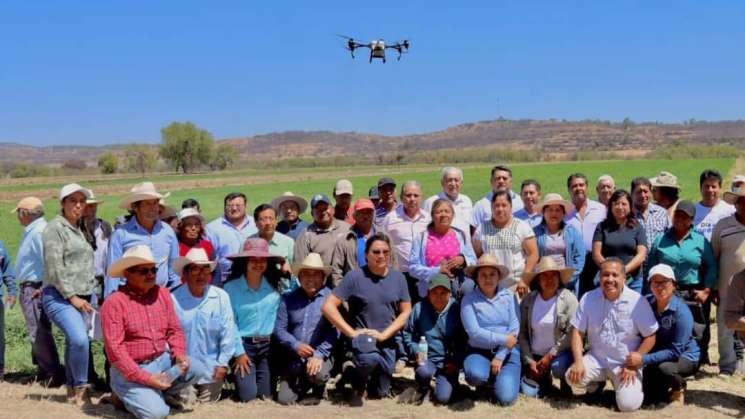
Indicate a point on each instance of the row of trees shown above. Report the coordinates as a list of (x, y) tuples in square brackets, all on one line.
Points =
[(184, 147)]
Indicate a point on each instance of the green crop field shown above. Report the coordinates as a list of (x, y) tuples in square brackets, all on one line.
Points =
[(552, 177)]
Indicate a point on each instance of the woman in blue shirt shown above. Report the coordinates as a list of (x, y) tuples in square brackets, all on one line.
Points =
[(490, 317), (675, 353), (254, 289)]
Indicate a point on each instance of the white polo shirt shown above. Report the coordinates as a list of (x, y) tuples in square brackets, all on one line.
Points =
[(463, 211)]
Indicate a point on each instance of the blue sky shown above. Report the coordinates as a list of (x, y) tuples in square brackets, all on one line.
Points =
[(93, 72)]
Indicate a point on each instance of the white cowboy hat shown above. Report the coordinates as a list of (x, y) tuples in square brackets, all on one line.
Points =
[(548, 264), (313, 262), (731, 197), (140, 192), (196, 256), (189, 212), (135, 255), (289, 196), (487, 260), (555, 199)]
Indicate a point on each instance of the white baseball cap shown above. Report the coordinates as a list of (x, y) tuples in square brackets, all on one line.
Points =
[(662, 270), (71, 188)]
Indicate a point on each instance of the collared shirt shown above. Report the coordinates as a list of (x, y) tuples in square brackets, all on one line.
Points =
[(708, 217), (443, 331), (7, 276), (655, 223), (162, 242), (255, 311), (299, 320), (402, 229), (228, 239), (728, 243), (281, 245), (594, 214), (68, 259), (208, 325), (463, 210), (380, 213), (482, 209), (347, 217), (692, 258), (506, 243), (674, 339), (614, 328), (138, 328), (489, 321), (293, 231), (30, 260), (534, 220), (321, 241)]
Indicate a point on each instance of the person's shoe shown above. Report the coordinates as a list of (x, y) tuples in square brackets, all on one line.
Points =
[(400, 365), (356, 398), (309, 401), (174, 401), (677, 397), (81, 396)]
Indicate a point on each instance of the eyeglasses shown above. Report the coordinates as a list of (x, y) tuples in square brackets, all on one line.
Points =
[(144, 271)]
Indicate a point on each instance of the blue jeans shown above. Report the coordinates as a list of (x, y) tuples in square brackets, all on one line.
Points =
[(506, 384), (444, 384), (373, 370), (147, 402), (257, 383), (559, 367), (72, 324)]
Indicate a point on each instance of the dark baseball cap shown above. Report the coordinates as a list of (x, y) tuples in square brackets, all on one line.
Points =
[(318, 198), (386, 181), (374, 194), (687, 207)]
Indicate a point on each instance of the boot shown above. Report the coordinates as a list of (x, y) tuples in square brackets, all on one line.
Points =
[(677, 397), (81, 396)]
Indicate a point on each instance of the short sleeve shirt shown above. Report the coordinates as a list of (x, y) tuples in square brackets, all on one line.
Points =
[(507, 245), (708, 217), (620, 242), (373, 300)]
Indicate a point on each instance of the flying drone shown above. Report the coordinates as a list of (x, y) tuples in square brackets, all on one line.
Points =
[(377, 47)]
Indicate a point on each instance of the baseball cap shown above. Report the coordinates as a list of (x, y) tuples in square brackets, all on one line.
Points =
[(373, 194), (440, 280), (386, 181), (662, 270), (71, 188), (737, 179), (687, 207), (343, 186), (28, 203), (363, 204), (318, 198)]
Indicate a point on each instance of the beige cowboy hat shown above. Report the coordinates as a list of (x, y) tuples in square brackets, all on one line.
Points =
[(487, 260), (289, 196), (92, 199), (555, 199), (195, 256), (731, 197), (548, 264), (312, 262), (665, 180), (135, 255), (140, 192)]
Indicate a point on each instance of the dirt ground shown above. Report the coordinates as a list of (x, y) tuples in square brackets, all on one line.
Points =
[(709, 396)]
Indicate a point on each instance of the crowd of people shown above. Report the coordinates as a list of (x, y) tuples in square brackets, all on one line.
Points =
[(512, 294)]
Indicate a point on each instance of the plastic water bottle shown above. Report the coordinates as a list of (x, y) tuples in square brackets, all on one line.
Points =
[(171, 374), (422, 350)]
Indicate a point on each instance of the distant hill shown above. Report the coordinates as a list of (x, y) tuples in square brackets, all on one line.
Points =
[(548, 135)]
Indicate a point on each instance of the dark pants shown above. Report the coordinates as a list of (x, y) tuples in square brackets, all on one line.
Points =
[(43, 348), (587, 276), (413, 285), (372, 371), (257, 383), (701, 319), (658, 379), (296, 382), (444, 383)]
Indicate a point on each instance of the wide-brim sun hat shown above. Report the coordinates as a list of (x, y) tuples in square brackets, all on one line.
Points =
[(135, 255), (255, 247), (487, 260), (555, 199), (311, 262), (141, 192), (732, 196), (548, 264), (665, 180), (195, 256), (289, 196)]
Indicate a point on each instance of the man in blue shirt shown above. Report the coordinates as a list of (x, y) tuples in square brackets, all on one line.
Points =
[(229, 232), (30, 273), (144, 228), (305, 335), (530, 192), (7, 277)]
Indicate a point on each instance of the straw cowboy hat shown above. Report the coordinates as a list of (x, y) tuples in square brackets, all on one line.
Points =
[(548, 264), (195, 256), (487, 260), (555, 199), (302, 204), (255, 248), (734, 195), (135, 255), (140, 192), (311, 262)]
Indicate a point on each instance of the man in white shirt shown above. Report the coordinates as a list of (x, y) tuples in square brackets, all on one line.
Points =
[(586, 216), (620, 327), (711, 208), (452, 182), (501, 180)]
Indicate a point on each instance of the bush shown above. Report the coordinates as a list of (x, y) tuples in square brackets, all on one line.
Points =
[(108, 163)]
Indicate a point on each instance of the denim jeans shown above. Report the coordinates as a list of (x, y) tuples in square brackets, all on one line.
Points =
[(444, 383), (726, 344), (559, 366), (373, 371), (147, 402), (296, 382), (257, 383), (506, 384), (72, 324)]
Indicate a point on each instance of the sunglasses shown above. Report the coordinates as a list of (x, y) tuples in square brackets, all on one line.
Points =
[(380, 252), (144, 271)]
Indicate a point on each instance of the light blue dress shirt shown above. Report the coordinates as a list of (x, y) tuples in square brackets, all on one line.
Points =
[(488, 322), (228, 240), (208, 326), (255, 311), (30, 260), (162, 242)]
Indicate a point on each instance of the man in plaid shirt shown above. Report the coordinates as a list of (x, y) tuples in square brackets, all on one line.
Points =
[(652, 217)]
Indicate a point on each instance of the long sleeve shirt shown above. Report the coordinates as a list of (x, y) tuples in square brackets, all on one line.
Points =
[(162, 242), (30, 259), (418, 267), (446, 338), (228, 239), (255, 311), (68, 259), (692, 258), (138, 328), (299, 320), (208, 326), (674, 338), (7, 275), (489, 321), (402, 229)]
